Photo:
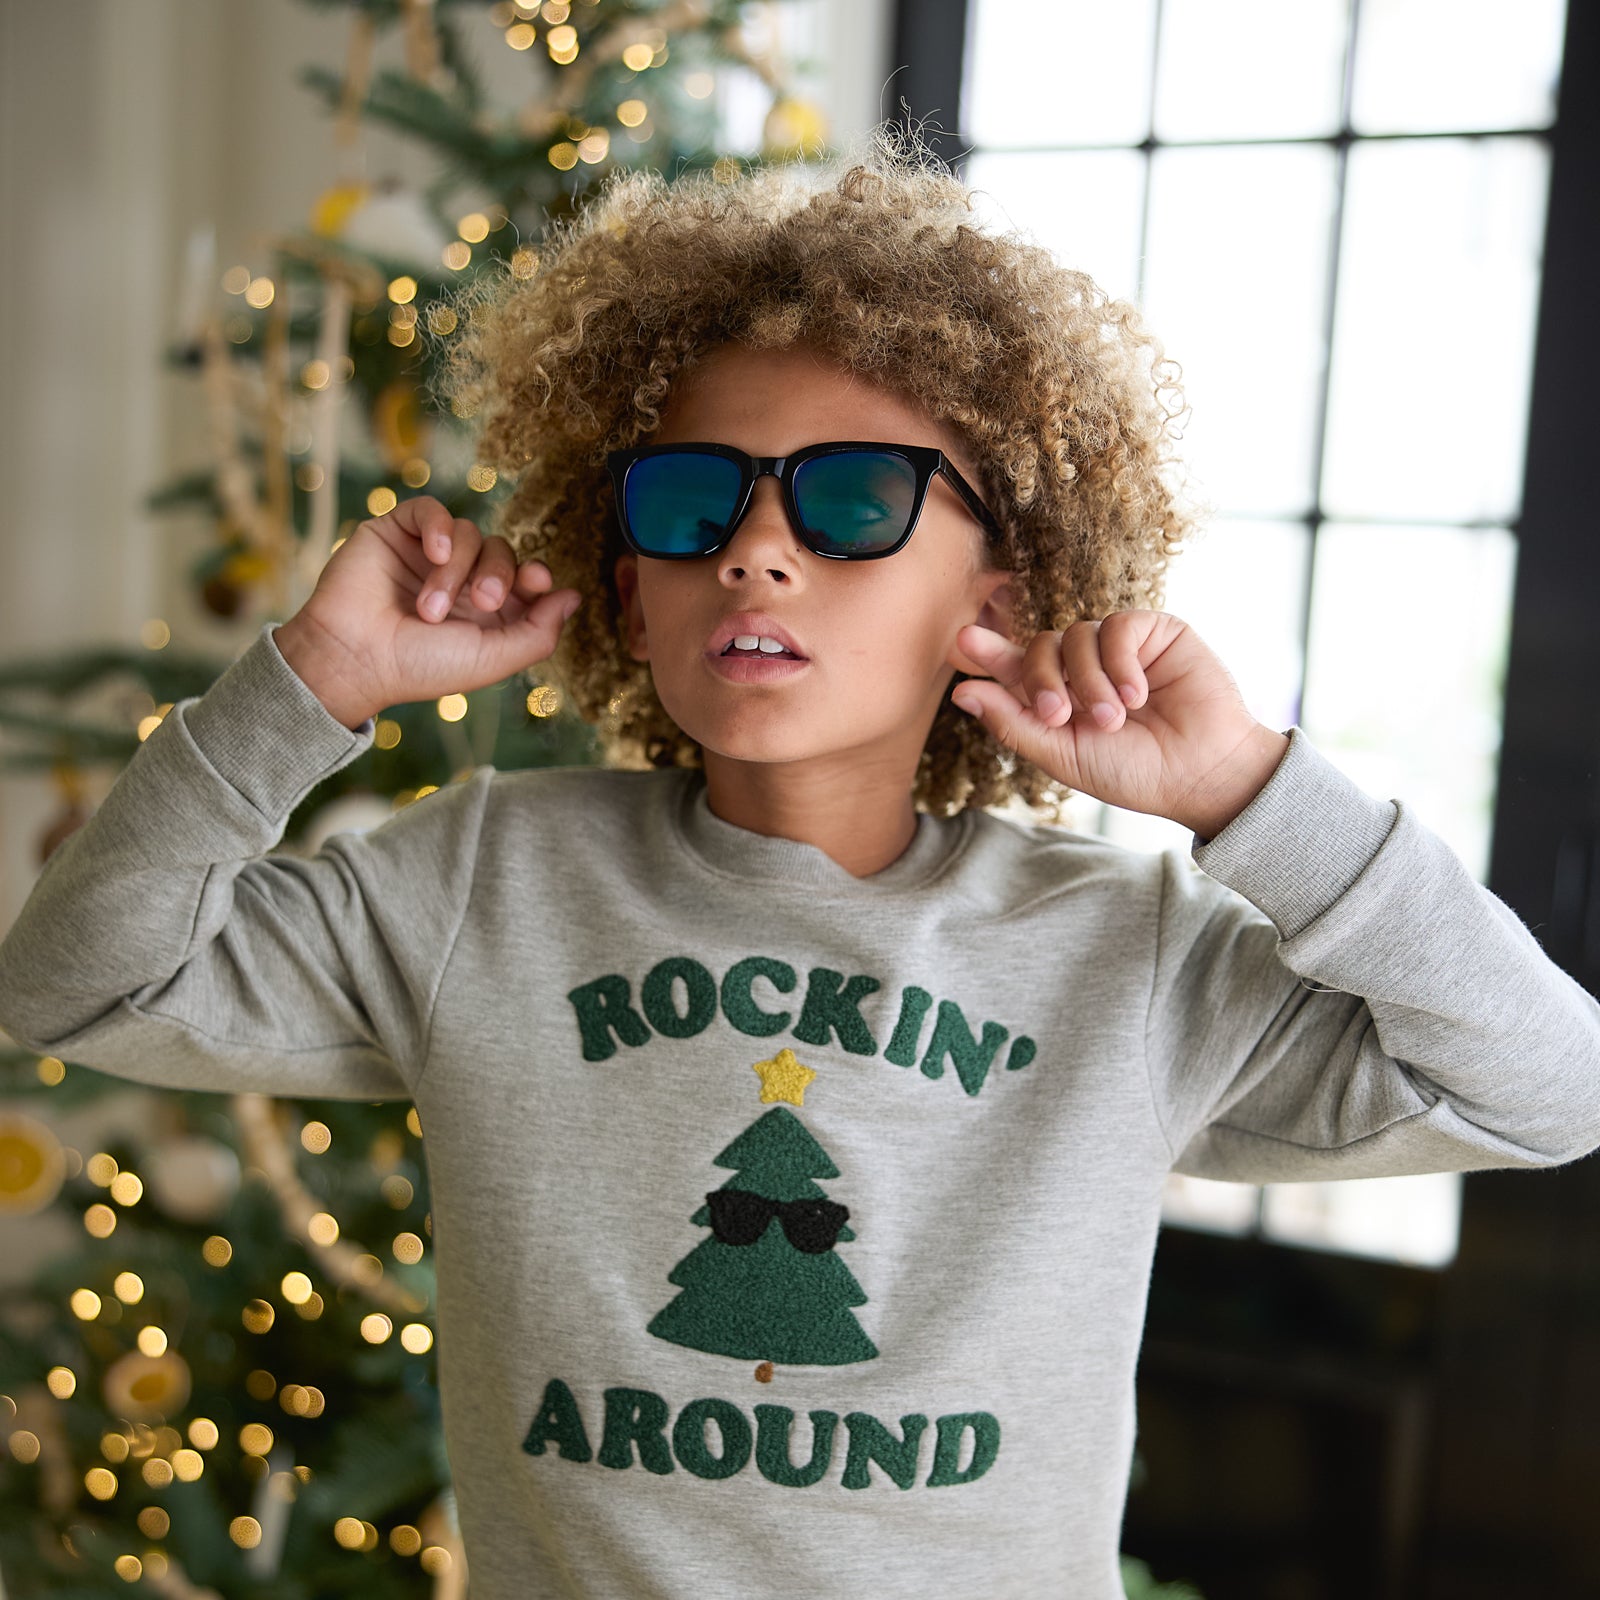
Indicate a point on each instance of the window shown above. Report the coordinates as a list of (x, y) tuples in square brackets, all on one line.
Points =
[(1333, 216)]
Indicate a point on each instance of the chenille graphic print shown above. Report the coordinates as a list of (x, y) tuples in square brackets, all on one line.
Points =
[(765, 1284)]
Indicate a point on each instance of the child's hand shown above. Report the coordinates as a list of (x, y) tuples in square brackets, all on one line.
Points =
[(1179, 742), (366, 638)]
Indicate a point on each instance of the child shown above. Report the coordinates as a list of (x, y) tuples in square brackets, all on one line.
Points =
[(797, 1126)]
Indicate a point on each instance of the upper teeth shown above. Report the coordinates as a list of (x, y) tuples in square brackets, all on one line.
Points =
[(753, 641)]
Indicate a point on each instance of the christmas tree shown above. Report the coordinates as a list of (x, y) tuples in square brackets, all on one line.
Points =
[(767, 1284), (227, 1387)]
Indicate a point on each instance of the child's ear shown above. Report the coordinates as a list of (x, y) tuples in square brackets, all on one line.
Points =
[(997, 607), (627, 576)]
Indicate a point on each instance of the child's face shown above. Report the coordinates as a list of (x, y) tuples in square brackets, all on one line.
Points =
[(875, 634)]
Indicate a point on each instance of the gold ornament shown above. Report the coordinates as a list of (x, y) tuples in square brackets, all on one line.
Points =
[(794, 129), (335, 207), (400, 428), (32, 1165), (147, 1388)]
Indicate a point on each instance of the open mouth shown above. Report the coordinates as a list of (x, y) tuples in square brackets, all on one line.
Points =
[(755, 645)]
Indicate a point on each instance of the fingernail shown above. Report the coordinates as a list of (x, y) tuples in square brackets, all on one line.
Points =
[(965, 703), (494, 591), (436, 604), (569, 607), (1128, 692), (1105, 714), (1047, 705)]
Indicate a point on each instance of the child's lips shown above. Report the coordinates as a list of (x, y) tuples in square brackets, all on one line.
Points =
[(757, 669), (751, 625)]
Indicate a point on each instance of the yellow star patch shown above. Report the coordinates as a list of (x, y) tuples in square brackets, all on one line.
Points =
[(783, 1078)]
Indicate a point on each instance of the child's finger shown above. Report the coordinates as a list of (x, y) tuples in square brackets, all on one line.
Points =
[(490, 579), (1080, 649), (983, 653), (1011, 722), (438, 595), (534, 636), (532, 578), (1043, 680), (1121, 635), (426, 520)]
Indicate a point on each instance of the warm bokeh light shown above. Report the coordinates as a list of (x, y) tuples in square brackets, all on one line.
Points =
[(258, 1316), (376, 1328), (62, 1382), (216, 1251)]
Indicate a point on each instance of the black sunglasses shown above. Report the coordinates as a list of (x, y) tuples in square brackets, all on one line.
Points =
[(739, 1217), (849, 500)]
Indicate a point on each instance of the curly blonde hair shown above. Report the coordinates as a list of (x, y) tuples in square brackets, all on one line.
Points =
[(874, 258)]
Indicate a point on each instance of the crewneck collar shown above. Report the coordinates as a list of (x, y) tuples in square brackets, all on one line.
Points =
[(730, 851)]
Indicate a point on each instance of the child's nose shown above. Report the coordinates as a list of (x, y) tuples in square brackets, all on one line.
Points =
[(764, 541)]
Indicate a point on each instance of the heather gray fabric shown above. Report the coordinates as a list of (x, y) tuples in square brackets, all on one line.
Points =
[(604, 1000)]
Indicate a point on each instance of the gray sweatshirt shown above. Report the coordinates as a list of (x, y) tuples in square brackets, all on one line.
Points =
[(770, 1203)]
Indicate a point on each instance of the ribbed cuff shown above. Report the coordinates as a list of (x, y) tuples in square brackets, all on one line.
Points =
[(264, 731), (1304, 839)]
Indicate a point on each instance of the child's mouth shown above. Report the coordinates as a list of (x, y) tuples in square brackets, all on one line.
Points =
[(753, 645)]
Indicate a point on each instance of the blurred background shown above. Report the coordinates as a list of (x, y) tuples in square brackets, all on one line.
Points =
[(1364, 228)]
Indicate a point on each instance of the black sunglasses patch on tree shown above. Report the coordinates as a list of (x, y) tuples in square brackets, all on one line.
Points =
[(740, 1217), (848, 500)]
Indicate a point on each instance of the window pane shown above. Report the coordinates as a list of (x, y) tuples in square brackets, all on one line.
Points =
[(1405, 685), (1443, 66), (1433, 331), (1236, 285), (1052, 72), (1083, 207), (1240, 586), (1209, 1205), (1415, 1219), (1250, 69)]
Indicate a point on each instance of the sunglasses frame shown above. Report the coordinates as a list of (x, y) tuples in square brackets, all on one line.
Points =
[(926, 461)]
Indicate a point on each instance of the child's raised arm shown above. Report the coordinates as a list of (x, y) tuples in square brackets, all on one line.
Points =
[(1393, 1016), (163, 944)]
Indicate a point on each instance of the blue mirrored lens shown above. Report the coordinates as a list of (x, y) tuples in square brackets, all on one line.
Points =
[(855, 502), (678, 504)]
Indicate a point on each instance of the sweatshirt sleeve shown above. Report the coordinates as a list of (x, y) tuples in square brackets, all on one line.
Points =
[(1335, 996), (163, 942)]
